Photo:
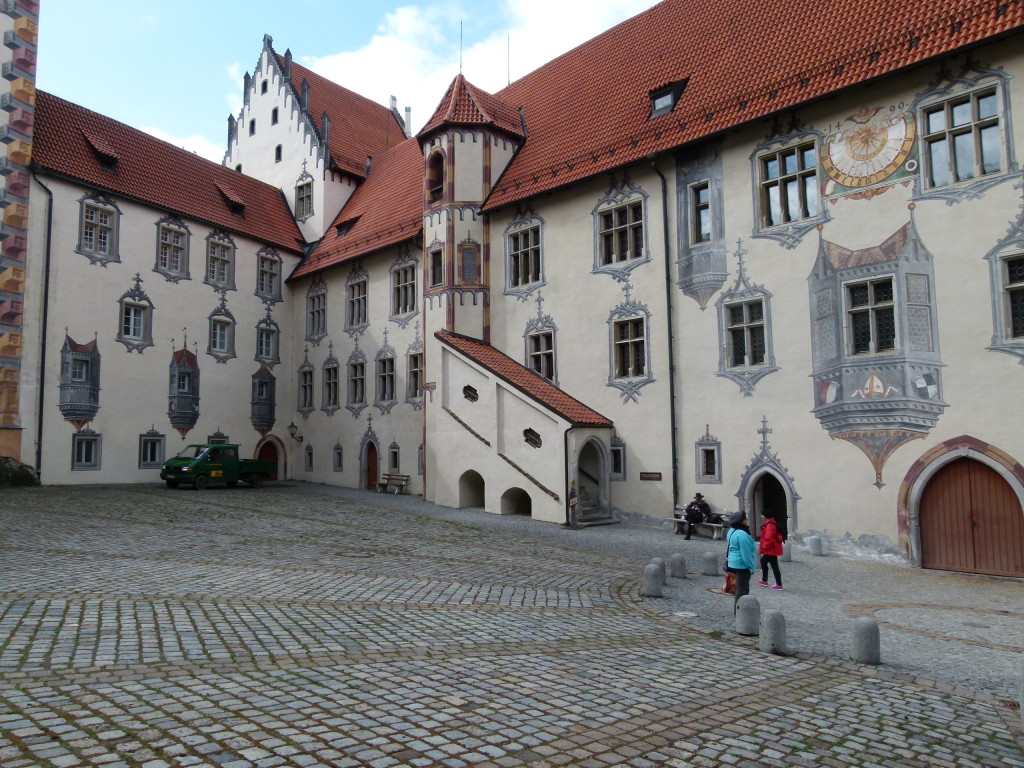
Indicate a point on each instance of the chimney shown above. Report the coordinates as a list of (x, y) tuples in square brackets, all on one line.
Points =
[(408, 122), (268, 42), (394, 104)]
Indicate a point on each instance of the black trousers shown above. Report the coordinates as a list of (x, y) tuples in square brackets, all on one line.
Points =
[(742, 584), (773, 561)]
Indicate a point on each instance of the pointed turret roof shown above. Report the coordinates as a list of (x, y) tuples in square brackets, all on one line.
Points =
[(465, 104)]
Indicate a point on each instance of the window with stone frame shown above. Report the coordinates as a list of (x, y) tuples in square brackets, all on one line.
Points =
[(385, 379), (331, 387), (85, 451), (172, 243), (306, 390), (540, 354), (357, 382), (267, 342), (746, 340), (394, 457), (338, 463), (1013, 292), (268, 275), (98, 229), (316, 311), (135, 318), (304, 199), (708, 458), (962, 138), (617, 451), (403, 289), (308, 458), (788, 184), (746, 352), (700, 212), (151, 450), (220, 261), (630, 348), (871, 316), (525, 266), (436, 267), (621, 233), (356, 303), (414, 377), (221, 336)]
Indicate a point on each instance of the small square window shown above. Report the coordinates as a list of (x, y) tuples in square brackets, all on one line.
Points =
[(151, 451), (85, 451)]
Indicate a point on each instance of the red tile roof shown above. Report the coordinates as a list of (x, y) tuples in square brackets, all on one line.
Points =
[(465, 104), (387, 209), (525, 380), (359, 126), (76, 143), (588, 111)]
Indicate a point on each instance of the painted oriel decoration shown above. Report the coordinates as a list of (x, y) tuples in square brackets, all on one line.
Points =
[(183, 395)]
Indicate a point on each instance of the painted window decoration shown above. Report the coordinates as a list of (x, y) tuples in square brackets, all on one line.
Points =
[(701, 260), (1006, 269), (356, 369), (263, 406), (356, 308), (183, 389), (85, 451), (151, 450), (700, 212), (305, 387), (871, 314), (620, 234), (744, 320), (617, 452), (540, 339), (79, 381), (268, 275), (708, 458), (331, 384), (524, 264), (385, 395), (220, 261), (414, 377), (532, 438), (629, 354), (172, 241), (470, 272), (404, 289), (338, 458), (98, 229), (316, 311), (787, 192), (268, 341), (135, 320), (221, 342)]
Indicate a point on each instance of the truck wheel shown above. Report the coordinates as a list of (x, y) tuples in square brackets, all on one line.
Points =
[(256, 481), (232, 483), (172, 483), (201, 483)]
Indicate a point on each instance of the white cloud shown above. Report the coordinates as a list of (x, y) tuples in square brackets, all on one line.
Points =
[(200, 145), (234, 97), (414, 54)]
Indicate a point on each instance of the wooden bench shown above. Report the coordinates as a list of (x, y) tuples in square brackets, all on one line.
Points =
[(398, 482), (714, 530)]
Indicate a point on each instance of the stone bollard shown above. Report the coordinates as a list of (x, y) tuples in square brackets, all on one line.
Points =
[(748, 615), (1021, 681), (815, 545), (653, 578), (710, 566), (773, 633), (787, 552), (660, 562), (867, 647), (677, 566)]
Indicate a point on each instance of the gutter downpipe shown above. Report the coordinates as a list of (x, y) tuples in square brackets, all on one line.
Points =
[(671, 335), (44, 327)]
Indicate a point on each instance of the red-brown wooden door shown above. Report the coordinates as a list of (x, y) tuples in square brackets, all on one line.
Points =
[(971, 520), (371, 467)]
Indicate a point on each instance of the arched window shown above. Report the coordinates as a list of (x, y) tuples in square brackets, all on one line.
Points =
[(277, 154), (263, 87), (252, 127), (435, 177), (273, 117)]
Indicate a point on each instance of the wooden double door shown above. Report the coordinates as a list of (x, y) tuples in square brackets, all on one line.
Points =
[(971, 520)]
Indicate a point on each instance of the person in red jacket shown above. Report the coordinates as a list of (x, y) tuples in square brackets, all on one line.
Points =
[(771, 549)]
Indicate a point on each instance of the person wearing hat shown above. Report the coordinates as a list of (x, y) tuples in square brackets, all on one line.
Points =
[(740, 560), (697, 511)]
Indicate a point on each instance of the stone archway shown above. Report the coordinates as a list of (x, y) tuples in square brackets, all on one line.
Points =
[(592, 482), (767, 493), (765, 474), (471, 489), (516, 501), (271, 450)]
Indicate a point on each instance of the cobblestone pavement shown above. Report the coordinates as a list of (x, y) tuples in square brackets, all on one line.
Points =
[(308, 626)]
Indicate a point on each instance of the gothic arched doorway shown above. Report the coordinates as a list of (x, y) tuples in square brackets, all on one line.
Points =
[(268, 452), (971, 520), (768, 493), (591, 482), (370, 465)]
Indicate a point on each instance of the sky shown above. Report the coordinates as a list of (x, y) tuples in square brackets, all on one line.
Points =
[(174, 68)]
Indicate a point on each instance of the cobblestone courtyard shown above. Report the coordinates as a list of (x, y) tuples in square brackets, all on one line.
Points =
[(298, 627)]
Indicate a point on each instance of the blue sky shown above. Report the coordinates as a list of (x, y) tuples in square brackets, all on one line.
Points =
[(175, 68)]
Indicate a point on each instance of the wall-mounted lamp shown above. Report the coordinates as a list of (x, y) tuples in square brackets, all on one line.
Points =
[(292, 429)]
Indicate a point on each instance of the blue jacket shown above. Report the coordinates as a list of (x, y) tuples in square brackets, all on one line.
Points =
[(741, 550)]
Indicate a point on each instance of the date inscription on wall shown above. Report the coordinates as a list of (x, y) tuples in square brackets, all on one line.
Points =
[(650, 475)]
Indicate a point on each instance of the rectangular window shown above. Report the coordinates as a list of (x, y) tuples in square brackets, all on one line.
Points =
[(872, 316), (266, 344), (219, 264), (415, 378), (305, 389), (304, 200), (316, 315), (709, 462), (151, 451), (1015, 295), (133, 321), (436, 268), (268, 281), (541, 354), (356, 383), (469, 263), (630, 351), (746, 333), (184, 382), (403, 290), (97, 230), (220, 336), (80, 370), (331, 386), (789, 185), (338, 459), (386, 379), (393, 459), (524, 257), (700, 213), (85, 452), (621, 233), (263, 390), (356, 314), (618, 463), (963, 139), (171, 253), (309, 458)]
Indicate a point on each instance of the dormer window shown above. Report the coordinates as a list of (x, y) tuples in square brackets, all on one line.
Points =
[(346, 226), (665, 99)]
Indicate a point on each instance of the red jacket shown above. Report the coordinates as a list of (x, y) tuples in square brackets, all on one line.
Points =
[(771, 539)]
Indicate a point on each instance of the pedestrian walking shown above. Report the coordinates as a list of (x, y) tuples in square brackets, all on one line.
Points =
[(740, 558), (770, 547)]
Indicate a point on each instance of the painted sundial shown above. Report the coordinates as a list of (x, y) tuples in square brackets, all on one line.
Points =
[(868, 148)]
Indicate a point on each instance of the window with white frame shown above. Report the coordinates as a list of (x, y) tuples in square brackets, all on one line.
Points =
[(746, 333), (172, 249), (97, 237), (134, 321), (304, 200), (524, 257), (621, 233), (871, 316), (266, 343), (963, 138), (85, 450), (331, 387), (80, 371), (403, 290), (306, 390), (630, 353), (385, 379), (151, 450), (220, 262), (708, 458), (788, 185), (183, 382), (316, 311), (221, 336), (268, 275), (700, 213), (357, 383), (414, 379), (540, 354), (355, 314)]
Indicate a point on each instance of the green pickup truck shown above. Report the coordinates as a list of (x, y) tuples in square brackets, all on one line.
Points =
[(200, 465)]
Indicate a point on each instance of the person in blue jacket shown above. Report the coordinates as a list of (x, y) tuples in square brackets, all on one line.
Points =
[(741, 550)]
